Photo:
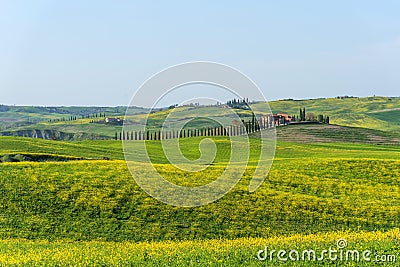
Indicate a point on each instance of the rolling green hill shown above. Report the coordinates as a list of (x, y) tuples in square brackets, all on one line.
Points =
[(31, 117), (380, 113), (297, 137)]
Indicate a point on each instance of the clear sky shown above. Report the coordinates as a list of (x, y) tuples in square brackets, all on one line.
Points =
[(99, 52)]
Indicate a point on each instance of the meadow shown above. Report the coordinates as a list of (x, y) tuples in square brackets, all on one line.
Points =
[(83, 210), (215, 252)]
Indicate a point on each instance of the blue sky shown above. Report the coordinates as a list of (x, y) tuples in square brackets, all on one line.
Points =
[(99, 52)]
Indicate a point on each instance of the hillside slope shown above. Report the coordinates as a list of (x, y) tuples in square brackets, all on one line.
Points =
[(293, 141), (380, 113), (317, 133)]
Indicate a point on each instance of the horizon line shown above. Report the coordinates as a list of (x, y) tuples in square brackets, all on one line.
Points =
[(252, 101)]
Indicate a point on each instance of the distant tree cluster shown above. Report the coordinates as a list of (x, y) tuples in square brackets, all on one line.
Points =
[(239, 104), (94, 115), (74, 118), (312, 117), (4, 108), (71, 118), (346, 96)]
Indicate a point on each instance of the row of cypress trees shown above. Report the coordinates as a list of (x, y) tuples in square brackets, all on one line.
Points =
[(233, 130)]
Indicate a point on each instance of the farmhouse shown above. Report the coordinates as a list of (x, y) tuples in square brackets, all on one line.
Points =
[(277, 119), (283, 118), (116, 121)]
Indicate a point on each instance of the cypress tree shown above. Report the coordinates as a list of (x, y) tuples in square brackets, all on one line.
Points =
[(252, 122), (302, 114)]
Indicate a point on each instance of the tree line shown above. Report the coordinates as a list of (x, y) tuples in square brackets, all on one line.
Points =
[(238, 103), (74, 118), (311, 117), (245, 127)]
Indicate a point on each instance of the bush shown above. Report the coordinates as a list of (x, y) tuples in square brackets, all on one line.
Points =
[(22, 158), (8, 158)]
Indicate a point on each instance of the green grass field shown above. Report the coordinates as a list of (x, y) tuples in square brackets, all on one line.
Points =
[(70, 207)]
